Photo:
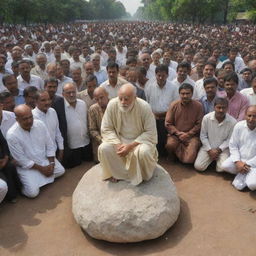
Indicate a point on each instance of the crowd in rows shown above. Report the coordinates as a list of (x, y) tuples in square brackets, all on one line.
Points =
[(56, 82)]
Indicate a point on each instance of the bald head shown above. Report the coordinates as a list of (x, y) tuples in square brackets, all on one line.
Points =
[(250, 117), (21, 110), (101, 97), (24, 116), (69, 93)]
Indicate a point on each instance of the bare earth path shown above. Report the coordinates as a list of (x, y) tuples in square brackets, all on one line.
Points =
[(215, 220)]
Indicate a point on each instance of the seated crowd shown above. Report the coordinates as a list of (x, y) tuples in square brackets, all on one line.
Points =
[(53, 96)]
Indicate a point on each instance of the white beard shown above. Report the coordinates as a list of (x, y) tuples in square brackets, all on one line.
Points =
[(125, 109)]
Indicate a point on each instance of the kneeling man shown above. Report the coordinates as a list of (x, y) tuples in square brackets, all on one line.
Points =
[(32, 147), (242, 160), (216, 130), (129, 136)]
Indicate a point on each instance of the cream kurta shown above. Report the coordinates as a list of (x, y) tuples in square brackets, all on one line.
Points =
[(117, 127)]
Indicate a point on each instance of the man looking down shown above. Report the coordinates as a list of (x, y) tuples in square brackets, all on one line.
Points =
[(129, 136)]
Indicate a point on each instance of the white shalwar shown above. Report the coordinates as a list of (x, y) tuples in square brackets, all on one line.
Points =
[(214, 135), (29, 148), (242, 147)]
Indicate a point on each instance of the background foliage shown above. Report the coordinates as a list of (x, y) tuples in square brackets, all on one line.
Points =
[(54, 11), (196, 11)]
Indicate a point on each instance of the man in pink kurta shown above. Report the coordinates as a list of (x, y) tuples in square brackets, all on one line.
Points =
[(183, 123), (238, 103)]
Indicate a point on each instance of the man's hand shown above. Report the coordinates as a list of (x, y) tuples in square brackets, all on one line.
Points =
[(124, 149), (183, 136), (60, 155), (47, 170), (3, 162), (214, 153), (242, 167)]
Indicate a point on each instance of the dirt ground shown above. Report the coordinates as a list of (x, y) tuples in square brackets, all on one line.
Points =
[(215, 219)]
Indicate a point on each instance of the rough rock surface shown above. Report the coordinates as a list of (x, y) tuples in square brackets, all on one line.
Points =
[(123, 213)]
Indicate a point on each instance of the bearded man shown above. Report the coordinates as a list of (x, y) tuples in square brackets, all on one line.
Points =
[(129, 136)]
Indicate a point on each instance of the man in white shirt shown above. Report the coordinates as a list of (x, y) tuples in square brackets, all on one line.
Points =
[(160, 93), (208, 72), (25, 79), (146, 61), (250, 93), (77, 128), (242, 160), (216, 130), (31, 146), (99, 71), (40, 68), (182, 75), (114, 82), (120, 52), (48, 116)]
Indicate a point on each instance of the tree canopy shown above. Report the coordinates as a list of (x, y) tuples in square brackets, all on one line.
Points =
[(56, 11), (195, 11)]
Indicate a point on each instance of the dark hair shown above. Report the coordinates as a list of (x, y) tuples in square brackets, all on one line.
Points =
[(221, 101), (24, 61), (131, 60), (162, 68), (228, 63), (7, 76), (142, 70), (112, 64), (210, 80), (29, 89), (184, 64), (4, 95), (51, 80), (211, 64), (232, 76), (245, 70), (186, 86), (91, 78)]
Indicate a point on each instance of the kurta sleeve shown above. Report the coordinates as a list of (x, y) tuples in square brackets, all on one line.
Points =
[(17, 152), (204, 135), (50, 149), (108, 131), (244, 106), (234, 145), (170, 119), (225, 144)]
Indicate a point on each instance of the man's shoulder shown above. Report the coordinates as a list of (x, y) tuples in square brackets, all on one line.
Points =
[(12, 132), (230, 119), (240, 125), (241, 96), (35, 77), (175, 104), (8, 115), (246, 91), (104, 84)]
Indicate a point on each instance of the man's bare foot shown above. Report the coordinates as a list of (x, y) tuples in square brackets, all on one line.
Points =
[(112, 179)]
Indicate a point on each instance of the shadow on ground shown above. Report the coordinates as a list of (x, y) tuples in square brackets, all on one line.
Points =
[(12, 234)]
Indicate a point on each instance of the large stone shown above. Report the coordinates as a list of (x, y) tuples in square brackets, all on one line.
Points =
[(123, 213)]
